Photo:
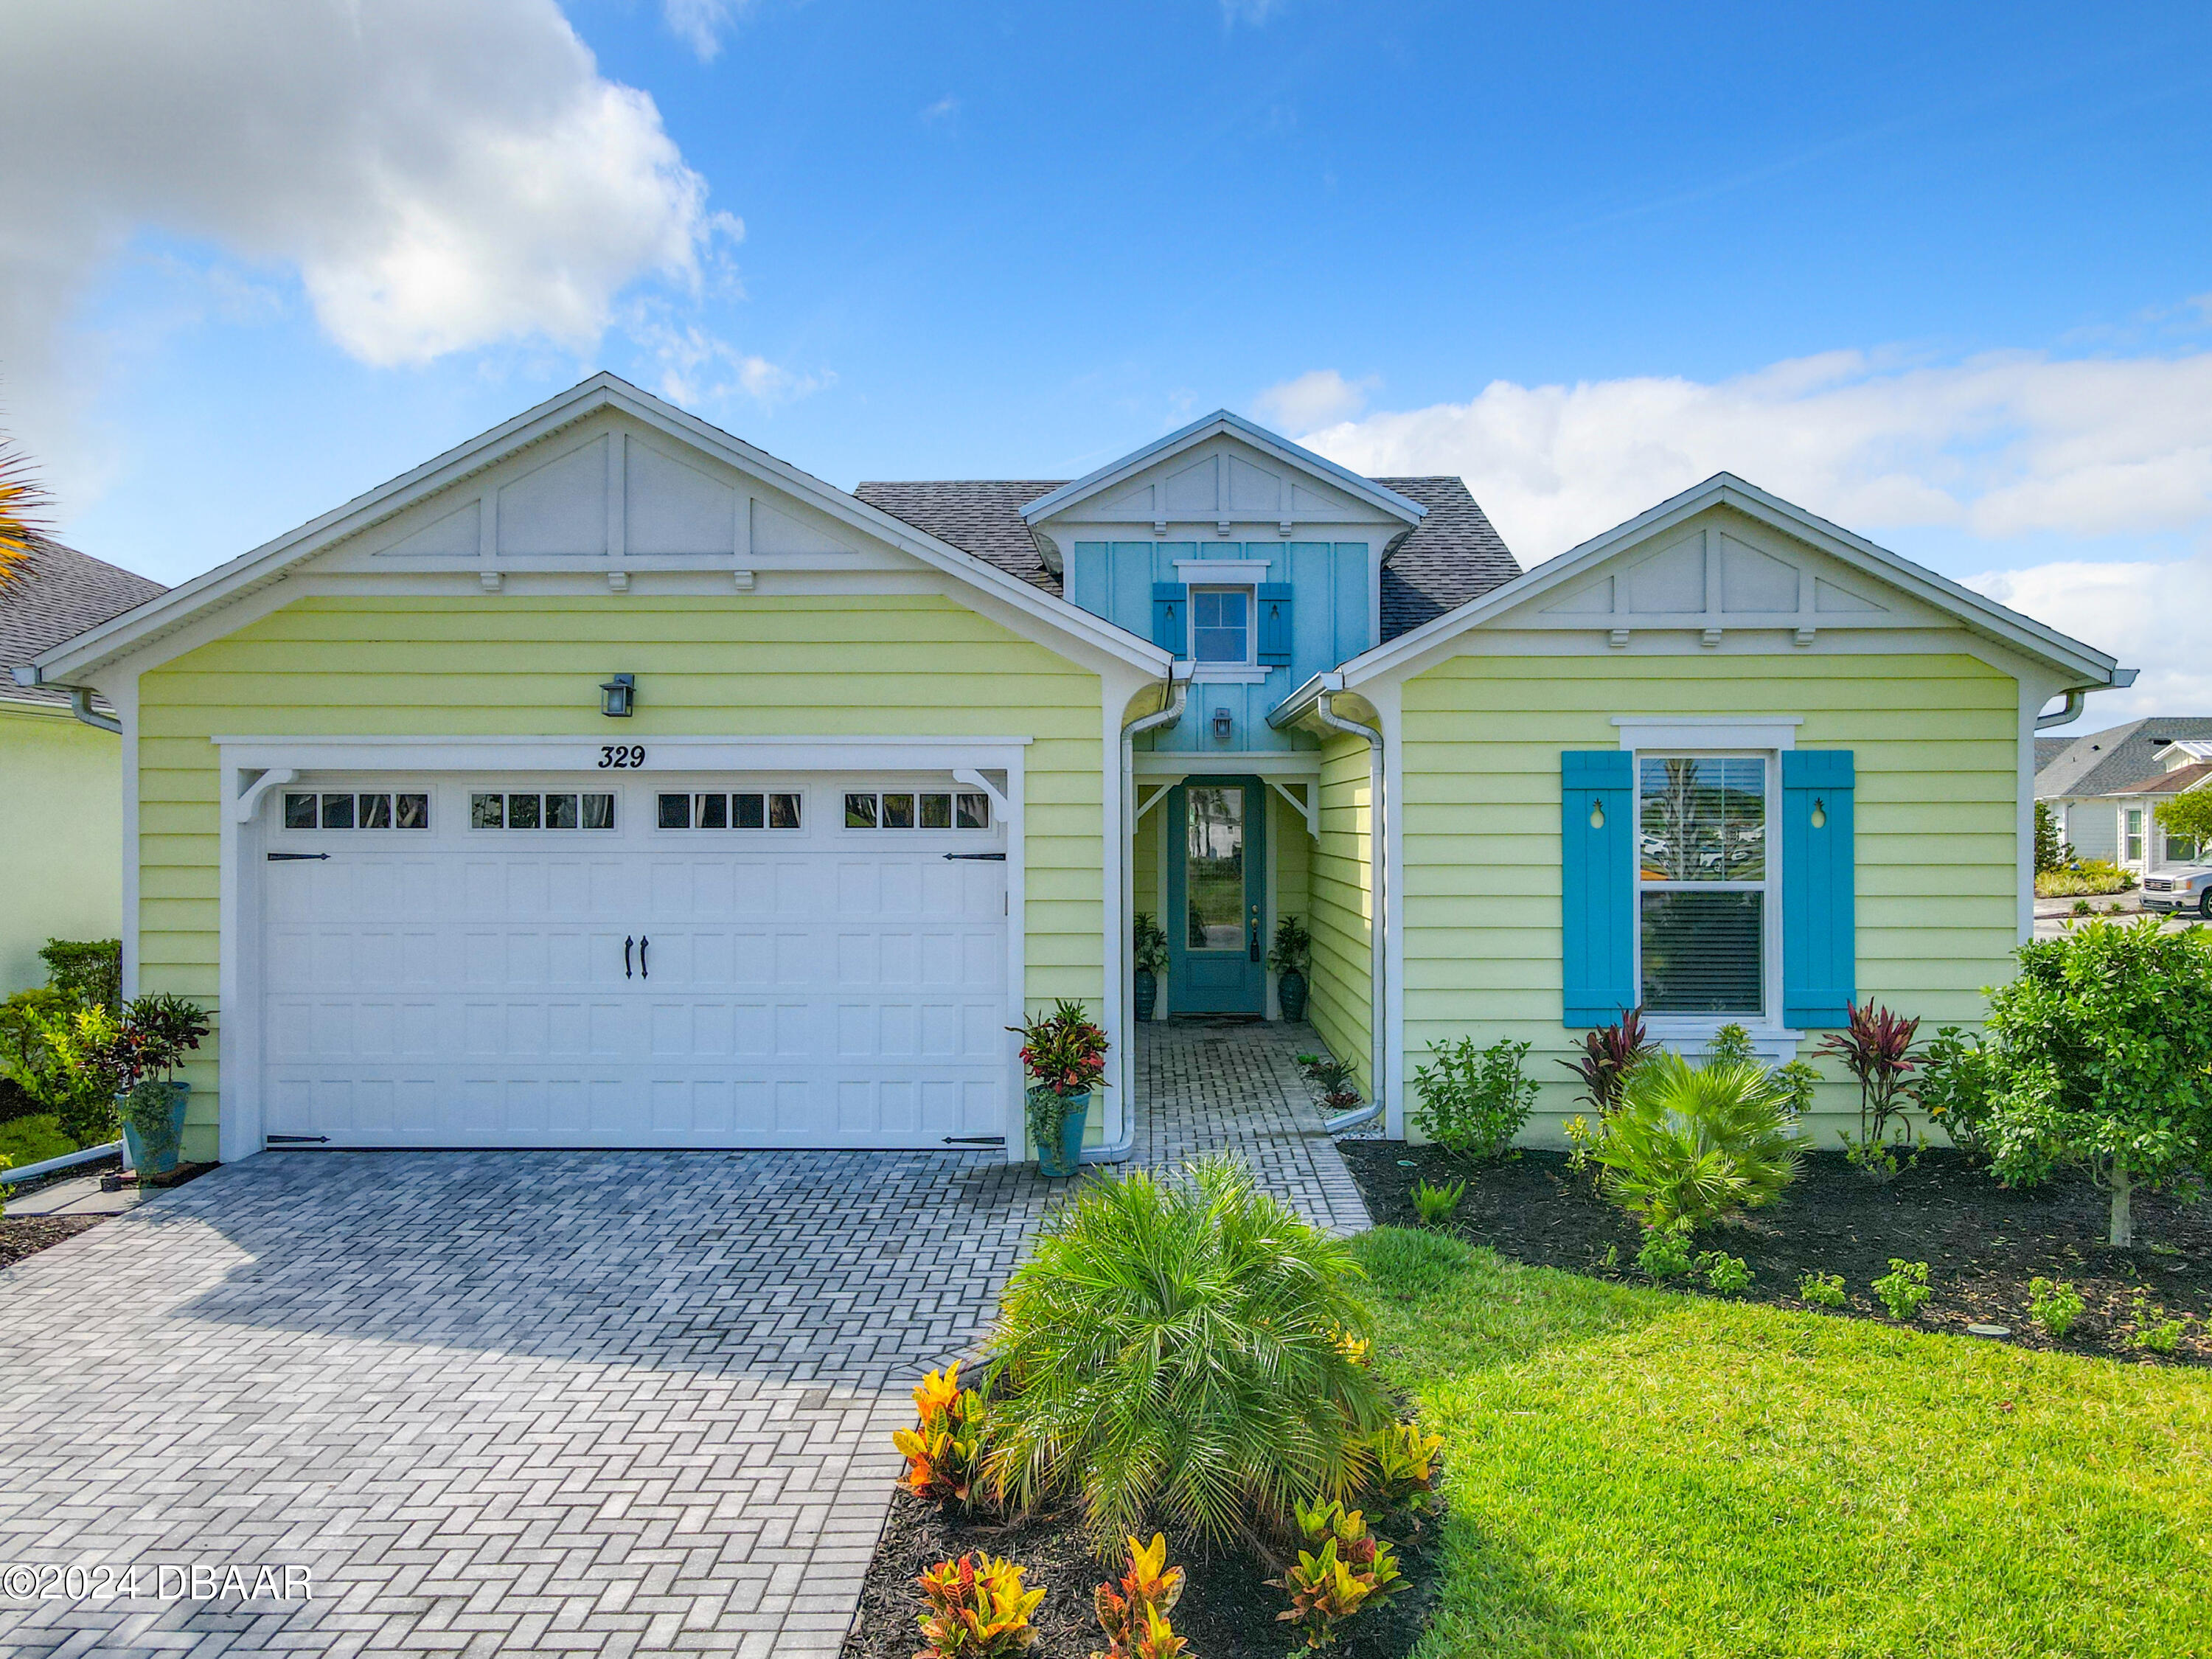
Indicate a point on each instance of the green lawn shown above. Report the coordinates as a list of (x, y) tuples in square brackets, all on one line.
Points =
[(1640, 1473)]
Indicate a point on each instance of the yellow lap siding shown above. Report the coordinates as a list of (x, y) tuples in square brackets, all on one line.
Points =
[(1340, 900), (1935, 739), (889, 666)]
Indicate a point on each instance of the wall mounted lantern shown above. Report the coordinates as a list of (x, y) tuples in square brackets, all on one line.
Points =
[(1223, 725), (618, 695)]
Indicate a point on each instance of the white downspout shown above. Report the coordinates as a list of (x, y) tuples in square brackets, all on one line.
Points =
[(1325, 712), (1178, 694)]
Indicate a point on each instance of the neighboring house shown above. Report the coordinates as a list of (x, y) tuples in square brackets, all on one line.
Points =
[(61, 779), (900, 763), (2104, 788)]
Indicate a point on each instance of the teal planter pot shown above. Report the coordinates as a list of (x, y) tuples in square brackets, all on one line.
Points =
[(154, 1148), (1291, 993), (1056, 1125), (1147, 988)]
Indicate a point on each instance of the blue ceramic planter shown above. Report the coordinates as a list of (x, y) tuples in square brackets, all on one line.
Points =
[(156, 1153), (1059, 1158)]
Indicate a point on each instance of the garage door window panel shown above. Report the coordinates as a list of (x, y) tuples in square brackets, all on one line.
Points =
[(347, 810)]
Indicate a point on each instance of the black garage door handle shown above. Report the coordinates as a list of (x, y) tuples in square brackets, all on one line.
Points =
[(628, 940), (643, 972)]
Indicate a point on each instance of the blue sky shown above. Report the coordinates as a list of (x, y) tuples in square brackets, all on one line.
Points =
[(1944, 274)]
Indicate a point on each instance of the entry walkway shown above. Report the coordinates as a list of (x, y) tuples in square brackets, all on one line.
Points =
[(1234, 1086)]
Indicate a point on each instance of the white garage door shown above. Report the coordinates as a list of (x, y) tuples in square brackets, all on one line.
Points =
[(660, 961)]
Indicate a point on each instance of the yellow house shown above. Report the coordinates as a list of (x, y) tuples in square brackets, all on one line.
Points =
[(607, 781), (61, 766)]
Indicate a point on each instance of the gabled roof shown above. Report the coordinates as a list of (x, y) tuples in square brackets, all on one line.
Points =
[(273, 560), (2179, 781), (60, 593), (1220, 423), (2104, 762), (2090, 666), (1446, 559)]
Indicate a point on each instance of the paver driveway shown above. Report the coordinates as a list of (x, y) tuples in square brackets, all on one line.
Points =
[(502, 1401)]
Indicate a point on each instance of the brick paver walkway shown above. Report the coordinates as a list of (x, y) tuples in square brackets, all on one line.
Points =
[(1224, 1085), (583, 1403)]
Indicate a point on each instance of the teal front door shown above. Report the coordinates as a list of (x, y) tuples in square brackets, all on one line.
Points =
[(1217, 885)]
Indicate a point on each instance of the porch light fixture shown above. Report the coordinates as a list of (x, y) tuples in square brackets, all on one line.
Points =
[(1223, 725), (616, 696)]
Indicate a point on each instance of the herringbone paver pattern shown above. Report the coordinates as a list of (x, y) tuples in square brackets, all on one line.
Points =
[(583, 1403), (1224, 1085), (551, 1402)]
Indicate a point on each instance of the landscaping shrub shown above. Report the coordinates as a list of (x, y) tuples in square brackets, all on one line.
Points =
[(943, 1450), (2084, 875), (1133, 1611), (27, 1140), (1728, 1274), (1903, 1288), (1821, 1290), (1350, 1570), (1693, 1144), (72, 1060), (2054, 1307), (1187, 1348), (87, 972), (2100, 1055), (1333, 1082), (1665, 1253), (1876, 1050), (2052, 850), (1435, 1203), (1954, 1089), (1609, 1054), (1474, 1103), (1401, 1469), (2155, 1332), (976, 1612)]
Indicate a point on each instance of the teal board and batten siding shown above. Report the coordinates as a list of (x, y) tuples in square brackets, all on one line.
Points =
[(1330, 620), (1929, 914)]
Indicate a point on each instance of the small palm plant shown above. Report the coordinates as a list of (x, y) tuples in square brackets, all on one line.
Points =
[(1692, 1144), (23, 502), (1182, 1348)]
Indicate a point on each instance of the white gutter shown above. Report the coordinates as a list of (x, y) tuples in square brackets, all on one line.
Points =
[(1325, 711), (2071, 709), (1178, 682)]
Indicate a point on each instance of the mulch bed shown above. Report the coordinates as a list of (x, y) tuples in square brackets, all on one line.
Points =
[(1226, 1611), (27, 1235), (1982, 1242)]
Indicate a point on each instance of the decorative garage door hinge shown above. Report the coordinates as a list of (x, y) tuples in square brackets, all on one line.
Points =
[(979, 858), (295, 858)]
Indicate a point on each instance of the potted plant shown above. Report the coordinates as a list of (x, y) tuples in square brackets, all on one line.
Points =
[(1293, 948), (1065, 1055), (1151, 955), (156, 1033)]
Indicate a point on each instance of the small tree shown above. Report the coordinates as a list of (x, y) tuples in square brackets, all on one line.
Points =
[(2050, 852), (2099, 1057), (2187, 816)]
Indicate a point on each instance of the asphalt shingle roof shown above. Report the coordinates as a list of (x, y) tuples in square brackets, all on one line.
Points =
[(59, 594), (2098, 762), (2168, 783), (1451, 556)]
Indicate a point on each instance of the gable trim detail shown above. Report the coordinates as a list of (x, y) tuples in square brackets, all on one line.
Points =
[(1221, 423)]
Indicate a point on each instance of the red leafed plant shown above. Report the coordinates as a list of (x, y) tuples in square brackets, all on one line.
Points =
[(1133, 1612), (1063, 1051), (945, 1447), (1876, 1048), (976, 1611), (1609, 1054)]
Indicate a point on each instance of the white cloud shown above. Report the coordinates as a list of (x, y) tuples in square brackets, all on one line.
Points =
[(440, 176), (1316, 398), (1255, 12), (699, 23), (699, 370), (943, 109), (1993, 448)]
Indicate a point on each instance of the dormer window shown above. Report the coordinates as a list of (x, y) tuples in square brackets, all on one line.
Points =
[(1221, 625)]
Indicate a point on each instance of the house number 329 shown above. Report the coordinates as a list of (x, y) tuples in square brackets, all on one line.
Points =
[(621, 755)]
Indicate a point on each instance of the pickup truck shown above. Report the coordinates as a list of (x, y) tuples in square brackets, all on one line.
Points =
[(2189, 887)]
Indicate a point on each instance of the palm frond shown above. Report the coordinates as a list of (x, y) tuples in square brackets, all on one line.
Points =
[(23, 503)]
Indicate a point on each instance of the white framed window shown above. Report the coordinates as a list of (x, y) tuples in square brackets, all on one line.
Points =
[(917, 808), (2132, 834), (2180, 849), (1708, 887), (716, 809), (1221, 626), (357, 809), (541, 808)]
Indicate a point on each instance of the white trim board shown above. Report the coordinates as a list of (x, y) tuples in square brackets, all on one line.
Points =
[(1774, 731)]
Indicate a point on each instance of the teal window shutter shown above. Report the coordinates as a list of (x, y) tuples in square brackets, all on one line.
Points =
[(1819, 935), (1275, 623), (1172, 618), (1597, 887)]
